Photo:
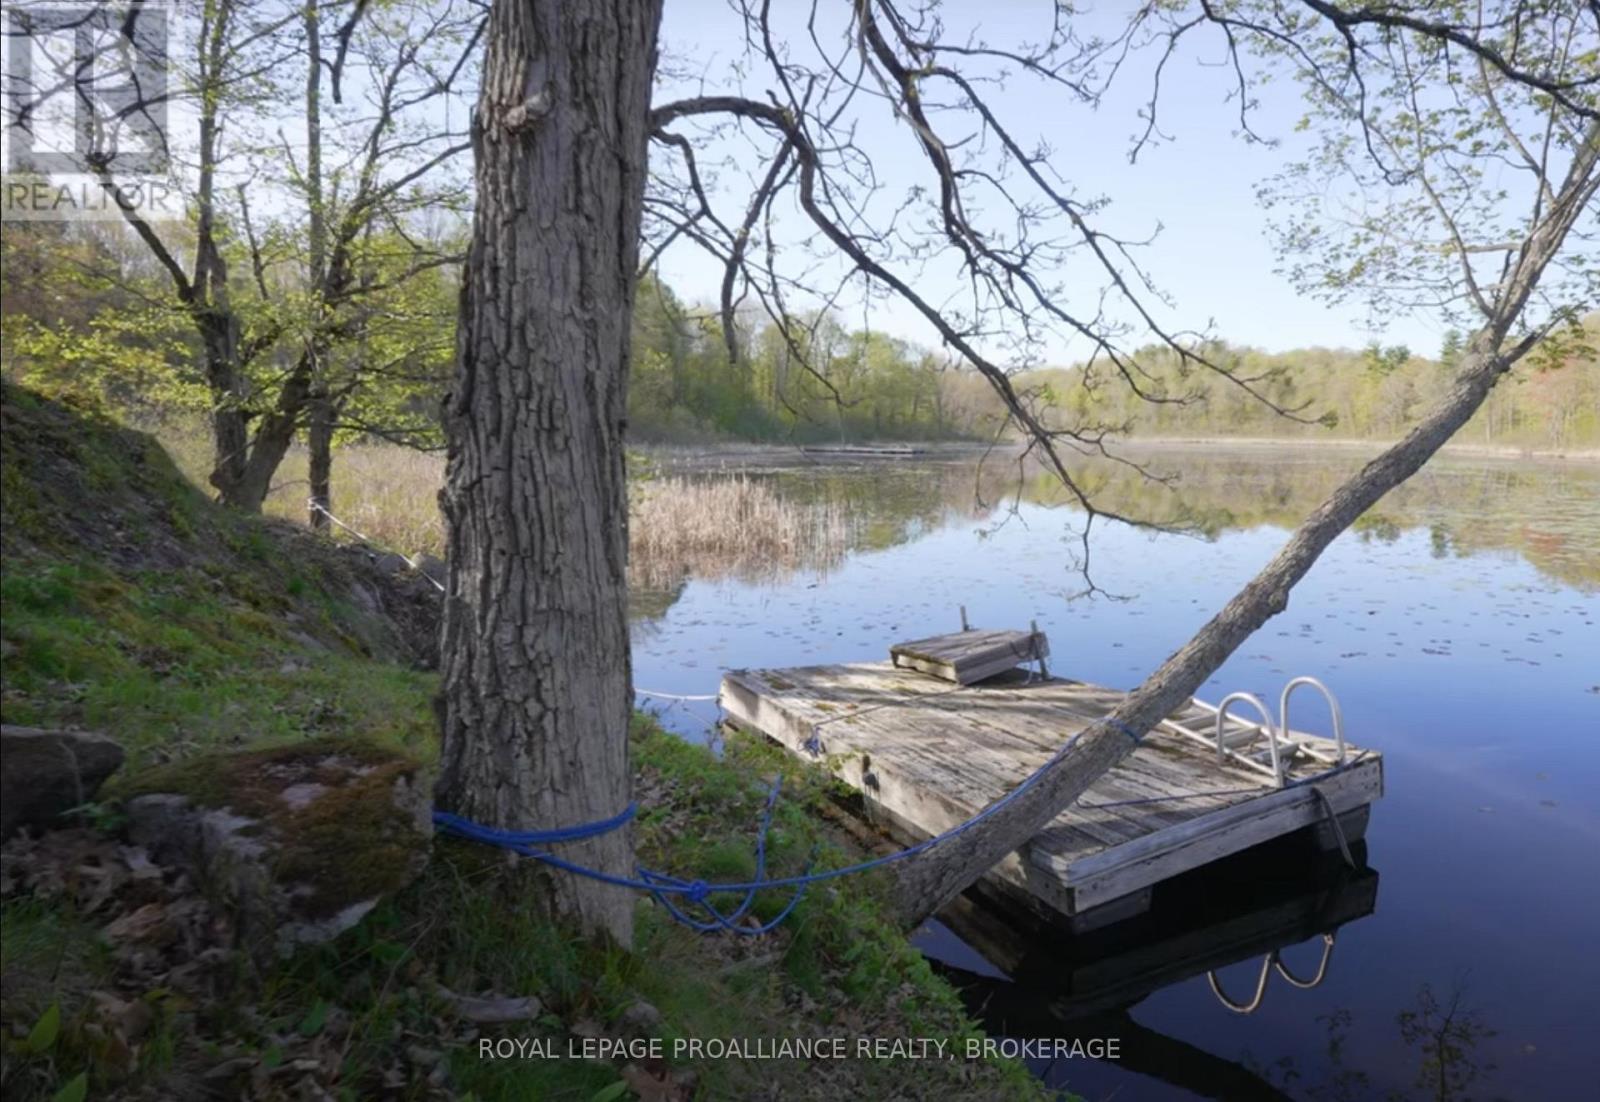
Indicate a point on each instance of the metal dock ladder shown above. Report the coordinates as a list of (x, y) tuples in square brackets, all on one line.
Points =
[(1264, 747)]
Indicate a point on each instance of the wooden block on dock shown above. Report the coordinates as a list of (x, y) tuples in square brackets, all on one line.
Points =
[(965, 657)]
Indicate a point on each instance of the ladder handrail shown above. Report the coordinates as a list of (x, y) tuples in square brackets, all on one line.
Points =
[(1273, 962), (1261, 989), (1333, 707), (1322, 968), (1266, 718)]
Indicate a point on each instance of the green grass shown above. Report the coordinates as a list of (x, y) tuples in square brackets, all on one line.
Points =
[(174, 664)]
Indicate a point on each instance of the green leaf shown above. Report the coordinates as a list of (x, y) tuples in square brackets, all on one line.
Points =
[(45, 1030), (315, 1018), (76, 1089), (611, 1093)]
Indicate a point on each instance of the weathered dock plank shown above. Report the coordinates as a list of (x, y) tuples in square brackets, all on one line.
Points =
[(967, 657), (928, 754)]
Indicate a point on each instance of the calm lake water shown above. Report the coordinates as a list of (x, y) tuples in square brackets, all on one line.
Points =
[(1460, 628)]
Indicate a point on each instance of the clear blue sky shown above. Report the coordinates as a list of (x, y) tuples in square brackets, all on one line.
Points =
[(1212, 256)]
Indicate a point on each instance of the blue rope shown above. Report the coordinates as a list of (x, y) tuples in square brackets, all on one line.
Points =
[(466, 828), (661, 886)]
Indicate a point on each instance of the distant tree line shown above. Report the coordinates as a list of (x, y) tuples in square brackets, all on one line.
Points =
[(1374, 393), (814, 379), (86, 311), (826, 381)]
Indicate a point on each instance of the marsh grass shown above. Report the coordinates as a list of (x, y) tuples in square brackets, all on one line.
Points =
[(710, 527), (729, 527)]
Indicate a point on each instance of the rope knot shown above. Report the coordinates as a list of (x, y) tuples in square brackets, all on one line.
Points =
[(698, 891), (813, 745)]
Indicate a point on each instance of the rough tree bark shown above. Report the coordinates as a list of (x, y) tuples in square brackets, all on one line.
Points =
[(537, 698), (926, 883)]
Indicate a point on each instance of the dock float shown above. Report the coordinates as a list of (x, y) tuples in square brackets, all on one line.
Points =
[(926, 754)]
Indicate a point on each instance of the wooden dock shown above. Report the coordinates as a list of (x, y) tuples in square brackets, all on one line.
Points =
[(926, 754)]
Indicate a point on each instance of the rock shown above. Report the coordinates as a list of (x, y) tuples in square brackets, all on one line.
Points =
[(43, 773), (433, 566), (390, 563), (493, 1009), (422, 1056), (296, 844), (640, 1020)]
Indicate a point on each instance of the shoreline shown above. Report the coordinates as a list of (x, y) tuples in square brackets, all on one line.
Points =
[(944, 449), (1487, 451)]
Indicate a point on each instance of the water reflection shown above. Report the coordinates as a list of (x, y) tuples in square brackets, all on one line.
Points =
[(1039, 980), (1261, 925), (1545, 511), (1445, 1037)]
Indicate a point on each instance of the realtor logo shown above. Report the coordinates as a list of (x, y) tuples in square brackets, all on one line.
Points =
[(85, 100)]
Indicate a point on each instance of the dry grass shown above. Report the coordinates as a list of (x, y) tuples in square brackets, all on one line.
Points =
[(706, 527), (387, 492), (729, 527)]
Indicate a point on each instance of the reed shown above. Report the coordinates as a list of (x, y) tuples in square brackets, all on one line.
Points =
[(711, 527), (732, 526)]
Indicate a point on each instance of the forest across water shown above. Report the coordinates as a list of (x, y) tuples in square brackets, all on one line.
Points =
[(77, 318)]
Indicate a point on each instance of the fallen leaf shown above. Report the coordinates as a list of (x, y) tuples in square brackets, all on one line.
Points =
[(147, 924)]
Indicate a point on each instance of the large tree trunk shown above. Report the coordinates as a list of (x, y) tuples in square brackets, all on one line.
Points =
[(929, 881), (537, 696), (274, 434)]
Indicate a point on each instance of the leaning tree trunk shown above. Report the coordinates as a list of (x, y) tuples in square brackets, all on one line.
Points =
[(927, 882), (537, 696)]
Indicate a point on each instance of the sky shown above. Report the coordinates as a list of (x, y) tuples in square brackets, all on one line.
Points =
[(1212, 256)]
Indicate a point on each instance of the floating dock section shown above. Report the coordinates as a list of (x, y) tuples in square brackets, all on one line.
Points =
[(927, 753)]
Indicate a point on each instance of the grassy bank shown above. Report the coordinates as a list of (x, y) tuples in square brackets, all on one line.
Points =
[(134, 607)]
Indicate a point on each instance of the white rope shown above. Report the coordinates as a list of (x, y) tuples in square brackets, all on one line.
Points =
[(673, 696), (316, 506)]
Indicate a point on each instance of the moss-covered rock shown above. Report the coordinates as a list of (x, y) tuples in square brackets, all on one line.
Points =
[(297, 843), (45, 773)]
